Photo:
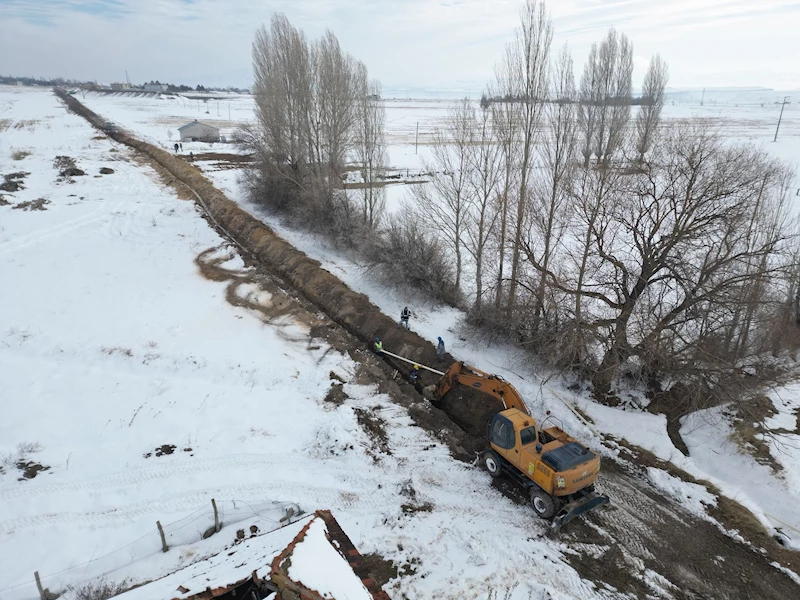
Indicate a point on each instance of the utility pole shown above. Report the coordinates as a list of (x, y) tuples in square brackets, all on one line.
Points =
[(703, 97), (416, 139), (785, 102)]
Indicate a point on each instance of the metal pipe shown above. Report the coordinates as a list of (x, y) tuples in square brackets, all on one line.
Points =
[(411, 362)]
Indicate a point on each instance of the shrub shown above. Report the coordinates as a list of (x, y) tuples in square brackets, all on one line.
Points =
[(404, 255), (100, 590)]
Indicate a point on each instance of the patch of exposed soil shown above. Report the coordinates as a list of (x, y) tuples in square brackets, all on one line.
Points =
[(381, 570), (375, 427), (106, 171), (30, 469), (162, 450), (66, 167), (3, 201), (13, 182), (63, 162), (38, 204), (222, 156), (336, 394), (748, 419)]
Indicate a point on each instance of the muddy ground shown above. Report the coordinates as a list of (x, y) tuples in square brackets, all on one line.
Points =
[(642, 537)]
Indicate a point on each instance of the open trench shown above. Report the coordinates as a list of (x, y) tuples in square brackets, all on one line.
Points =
[(644, 544)]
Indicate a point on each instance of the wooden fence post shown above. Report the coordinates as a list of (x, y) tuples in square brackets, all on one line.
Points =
[(39, 585), (164, 546), (216, 516)]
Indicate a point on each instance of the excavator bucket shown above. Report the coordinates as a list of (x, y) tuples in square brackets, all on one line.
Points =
[(577, 508)]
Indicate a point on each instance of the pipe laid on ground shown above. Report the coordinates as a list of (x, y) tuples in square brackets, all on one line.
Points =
[(412, 362)]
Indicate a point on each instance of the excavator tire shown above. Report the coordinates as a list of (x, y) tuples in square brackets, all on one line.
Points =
[(491, 462), (542, 503)]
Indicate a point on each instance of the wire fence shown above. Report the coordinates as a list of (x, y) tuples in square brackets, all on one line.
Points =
[(189, 530)]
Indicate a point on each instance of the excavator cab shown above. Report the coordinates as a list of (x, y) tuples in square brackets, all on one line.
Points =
[(558, 471)]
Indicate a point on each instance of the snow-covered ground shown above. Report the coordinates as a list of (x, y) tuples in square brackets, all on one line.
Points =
[(738, 117), (113, 346)]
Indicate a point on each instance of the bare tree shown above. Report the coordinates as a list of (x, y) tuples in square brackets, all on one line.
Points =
[(485, 166), (528, 66), (371, 148), (547, 219), (670, 254), (444, 203), (311, 102), (605, 98), (505, 131), (281, 89), (649, 116)]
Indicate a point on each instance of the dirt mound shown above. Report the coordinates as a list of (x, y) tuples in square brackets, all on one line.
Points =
[(13, 182), (67, 167), (38, 204), (30, 469), (106, 171), (470, 409)]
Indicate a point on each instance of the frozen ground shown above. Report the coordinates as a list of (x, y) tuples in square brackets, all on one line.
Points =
[(113, 345)]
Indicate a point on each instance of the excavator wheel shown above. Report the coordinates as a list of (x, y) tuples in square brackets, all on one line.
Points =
[(542, 503), (492, 464)]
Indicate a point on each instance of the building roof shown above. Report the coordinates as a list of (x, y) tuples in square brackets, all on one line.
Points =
[(196, 122)]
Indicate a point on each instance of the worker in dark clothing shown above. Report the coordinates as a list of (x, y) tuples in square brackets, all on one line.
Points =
[(404, 317), (413, 377), (176, 148), (377, 347), (440, 350), (181, 145)]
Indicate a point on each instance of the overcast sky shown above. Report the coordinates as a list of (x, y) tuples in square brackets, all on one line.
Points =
[(446, 44)]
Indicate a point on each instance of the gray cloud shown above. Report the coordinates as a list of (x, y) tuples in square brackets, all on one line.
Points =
[(405, 44)]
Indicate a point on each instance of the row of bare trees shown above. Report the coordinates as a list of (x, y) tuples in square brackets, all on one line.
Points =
[(573, 222), (318, 113), (600, 238)]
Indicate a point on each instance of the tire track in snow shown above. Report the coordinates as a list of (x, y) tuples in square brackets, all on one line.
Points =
[(55, 231), (135, 478)]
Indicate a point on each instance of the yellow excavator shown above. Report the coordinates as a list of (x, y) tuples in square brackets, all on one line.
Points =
[(558, 471)]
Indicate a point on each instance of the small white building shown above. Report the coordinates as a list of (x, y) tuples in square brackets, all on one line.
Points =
[(155, 87), (198, 132)]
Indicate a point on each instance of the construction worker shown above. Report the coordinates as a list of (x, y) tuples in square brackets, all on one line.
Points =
[(404, 316), (377, 347), (176, 148), (414, 375), (440, 350)]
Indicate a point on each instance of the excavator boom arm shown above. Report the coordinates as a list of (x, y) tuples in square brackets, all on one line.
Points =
[(494, 385)]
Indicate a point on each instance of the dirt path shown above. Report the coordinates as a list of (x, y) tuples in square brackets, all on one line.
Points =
[(645, 545)]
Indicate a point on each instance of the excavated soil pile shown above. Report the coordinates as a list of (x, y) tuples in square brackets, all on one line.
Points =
[(470, 410)]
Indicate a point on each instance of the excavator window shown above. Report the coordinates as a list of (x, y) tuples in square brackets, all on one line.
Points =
[(502, 432), (527, 436)]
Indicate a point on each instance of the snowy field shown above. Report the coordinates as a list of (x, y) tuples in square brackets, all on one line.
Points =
[(114, 347), (739, 116)]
